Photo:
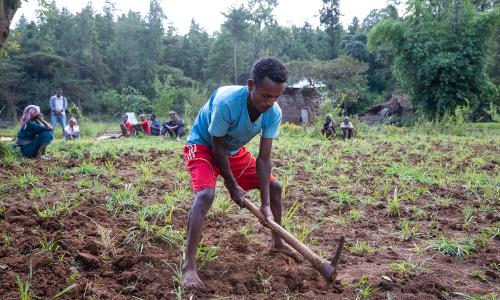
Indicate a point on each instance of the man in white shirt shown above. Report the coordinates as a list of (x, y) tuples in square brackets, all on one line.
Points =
[(347, 128), (58, 105)]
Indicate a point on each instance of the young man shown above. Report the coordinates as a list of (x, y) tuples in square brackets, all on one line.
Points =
[(58, 105), (347, 129), (329, 127), (146, 127), (230, 119), (175, 126), (126, 126), (155, 125)]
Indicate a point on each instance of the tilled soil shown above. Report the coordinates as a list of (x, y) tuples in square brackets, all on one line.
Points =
[(92, 253)]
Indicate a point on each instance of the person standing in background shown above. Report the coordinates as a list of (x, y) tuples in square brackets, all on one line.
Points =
[(58, 105)]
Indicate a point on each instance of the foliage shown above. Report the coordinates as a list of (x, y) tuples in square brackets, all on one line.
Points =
[(442, 54), (344, 77), (108, 62), (134, 101)]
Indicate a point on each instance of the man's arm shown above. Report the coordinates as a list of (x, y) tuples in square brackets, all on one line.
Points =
[(52, 104), (65, 104), (264, 173), (220, 156)]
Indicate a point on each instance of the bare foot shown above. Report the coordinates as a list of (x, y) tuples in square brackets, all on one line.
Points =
[(190, 280), (287, 250)]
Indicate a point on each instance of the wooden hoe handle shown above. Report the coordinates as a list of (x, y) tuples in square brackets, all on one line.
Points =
[(327, 269)]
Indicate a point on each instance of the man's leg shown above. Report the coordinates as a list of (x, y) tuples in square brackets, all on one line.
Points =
[(53, 120), (277, 244), (202, 202), (171, 133), (63, 122)]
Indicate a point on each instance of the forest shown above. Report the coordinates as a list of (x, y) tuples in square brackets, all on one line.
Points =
[(442, 54)]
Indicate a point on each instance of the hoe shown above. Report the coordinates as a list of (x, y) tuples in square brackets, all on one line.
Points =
[(326, 268)]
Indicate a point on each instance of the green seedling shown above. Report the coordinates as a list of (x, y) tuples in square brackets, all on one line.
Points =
[(361, 248), (363, 289), (27, 180), (468, 213), (408, 267), (354, 215), (64, 291), (51, 245), (341, 197), (37, 193), (122, 199), (393, 204), (86, 168), (206, 254), (25, 293), (408, 231), (6, 239), (479, 275), (54, 209), (246, 231), (459, 249), (264, 281), (221, 206)]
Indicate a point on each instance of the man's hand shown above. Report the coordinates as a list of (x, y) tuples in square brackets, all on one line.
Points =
[(268, 214), (237, 195)]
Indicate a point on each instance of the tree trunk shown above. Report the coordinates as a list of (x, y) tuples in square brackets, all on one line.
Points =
[(11, 102), (7, 11), (234, 58)]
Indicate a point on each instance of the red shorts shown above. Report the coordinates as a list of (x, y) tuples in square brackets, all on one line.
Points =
[(204, 171)]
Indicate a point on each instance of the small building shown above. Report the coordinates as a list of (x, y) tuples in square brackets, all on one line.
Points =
[(300, 105)]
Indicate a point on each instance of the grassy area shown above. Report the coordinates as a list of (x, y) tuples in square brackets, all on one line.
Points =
[(88, 129), (411, 204)]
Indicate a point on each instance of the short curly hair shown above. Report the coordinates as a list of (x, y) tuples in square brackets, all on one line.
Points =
[(270, 67)]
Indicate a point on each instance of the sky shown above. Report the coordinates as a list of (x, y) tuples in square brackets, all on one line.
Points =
[(207, 13)]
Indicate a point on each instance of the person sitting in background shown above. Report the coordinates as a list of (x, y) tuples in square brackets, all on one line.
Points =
[(34, 133), (155, 125), (126, 126), (329, 127), (145, 125), (72, 131), (174, 127), (347, 128)]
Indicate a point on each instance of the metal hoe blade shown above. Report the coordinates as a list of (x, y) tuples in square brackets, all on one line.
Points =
[(336, 257)]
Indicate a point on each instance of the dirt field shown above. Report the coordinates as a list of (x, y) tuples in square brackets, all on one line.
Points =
[(106, 221)]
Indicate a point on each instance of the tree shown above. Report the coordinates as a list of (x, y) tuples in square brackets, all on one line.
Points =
[(354, 27), (260, 13), (237, 25), (377, 15), (133, 100), (344, 78), (195, 50), (330, 19), (441, 54), (8, 9), (10, 82)]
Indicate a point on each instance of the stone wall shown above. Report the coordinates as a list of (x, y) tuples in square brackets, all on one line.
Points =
[(294, 100)]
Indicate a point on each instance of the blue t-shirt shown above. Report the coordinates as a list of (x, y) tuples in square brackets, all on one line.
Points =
[(226, 114)]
